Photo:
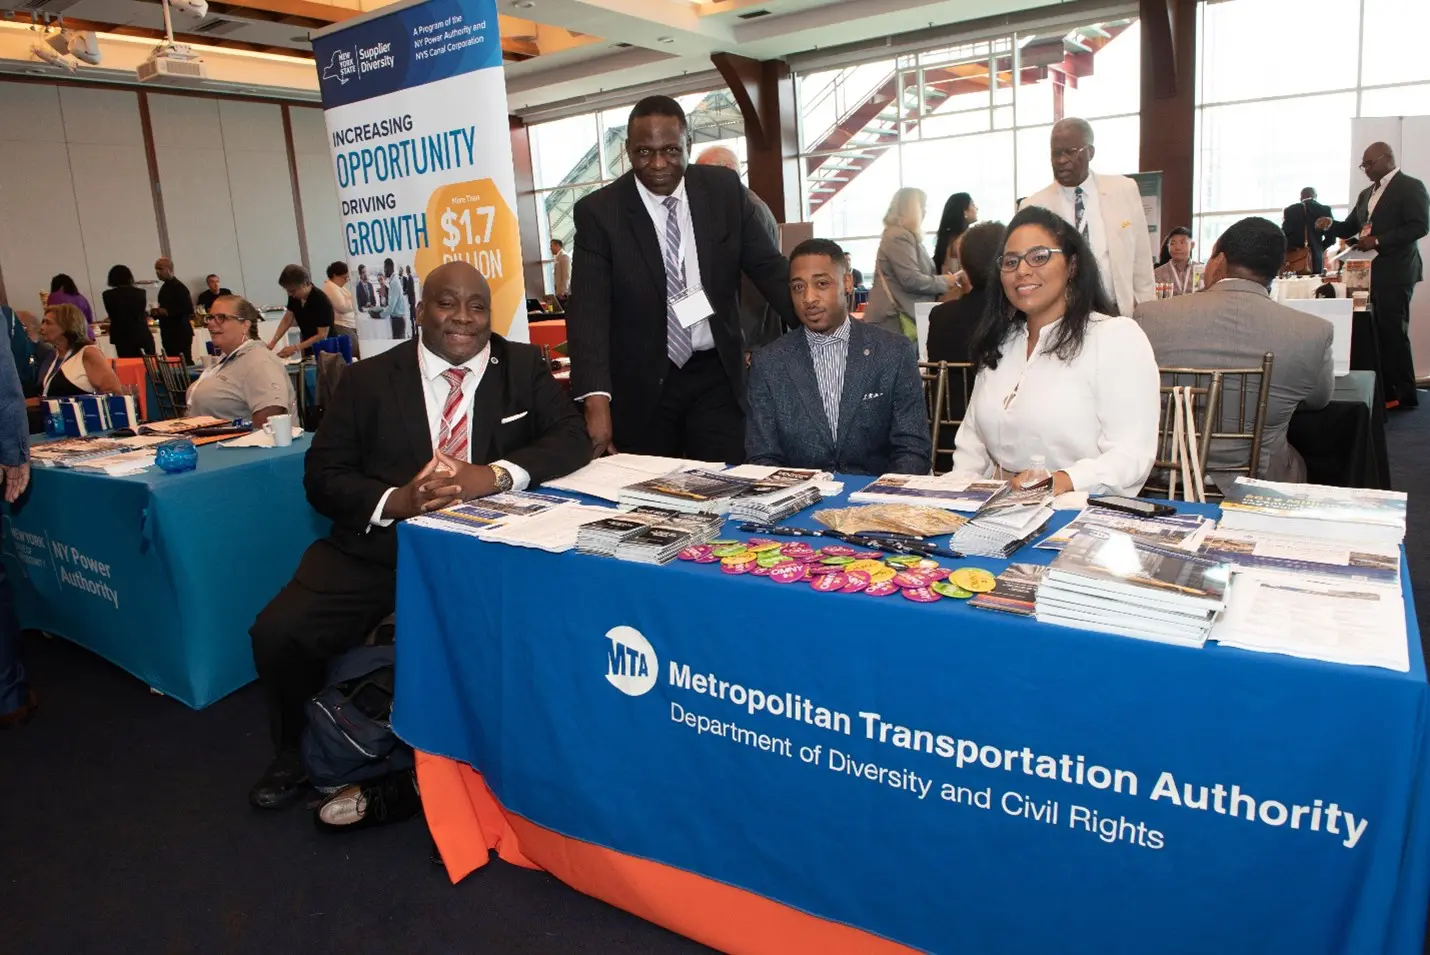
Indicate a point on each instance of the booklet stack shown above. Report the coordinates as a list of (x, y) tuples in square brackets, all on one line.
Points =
[(1005, 523), (775, 506), (946, 491), (1313, 510), (604, 536), (701, 527), (689, 492), (1112, 582), (483, 514), (1178, 531), (654, 545)]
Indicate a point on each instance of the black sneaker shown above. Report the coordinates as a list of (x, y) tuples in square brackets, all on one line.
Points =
[(392, 798)]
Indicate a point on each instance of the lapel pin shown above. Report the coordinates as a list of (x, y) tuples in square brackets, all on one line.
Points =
[(494, 360), (866, 353)]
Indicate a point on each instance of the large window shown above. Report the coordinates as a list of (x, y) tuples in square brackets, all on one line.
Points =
[(573, 157), (1274, 101), (972, 118)]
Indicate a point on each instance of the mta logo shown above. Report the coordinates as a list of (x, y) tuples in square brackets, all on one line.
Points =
[(631, 666)]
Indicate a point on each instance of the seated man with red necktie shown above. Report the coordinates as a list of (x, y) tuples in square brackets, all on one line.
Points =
[(458, 414)]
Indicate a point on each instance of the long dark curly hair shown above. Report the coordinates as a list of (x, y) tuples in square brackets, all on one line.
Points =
[(1084, 294)]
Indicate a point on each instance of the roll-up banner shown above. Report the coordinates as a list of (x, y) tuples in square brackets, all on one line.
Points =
[(415, 103)]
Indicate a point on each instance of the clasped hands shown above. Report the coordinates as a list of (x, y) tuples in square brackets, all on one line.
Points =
[(1061, 482), (442, 482)]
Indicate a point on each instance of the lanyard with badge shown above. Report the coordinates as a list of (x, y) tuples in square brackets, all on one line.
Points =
[(691, 307)]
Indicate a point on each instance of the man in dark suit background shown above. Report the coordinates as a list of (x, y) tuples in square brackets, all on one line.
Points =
[(656, 348), (462, 414), (840, 396), (366, 297), (1299, 221), (17, 700), (1389, 218)]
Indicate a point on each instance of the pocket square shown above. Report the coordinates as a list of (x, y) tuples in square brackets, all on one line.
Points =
[(873, 394), (516, 417)]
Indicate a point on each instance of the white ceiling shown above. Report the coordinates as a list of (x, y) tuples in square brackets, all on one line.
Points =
[(640, 41)]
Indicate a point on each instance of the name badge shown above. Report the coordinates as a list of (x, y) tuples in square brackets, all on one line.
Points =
[(692, 307)]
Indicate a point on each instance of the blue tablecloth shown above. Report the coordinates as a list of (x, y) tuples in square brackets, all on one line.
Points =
[(954, 779), (162, 574)]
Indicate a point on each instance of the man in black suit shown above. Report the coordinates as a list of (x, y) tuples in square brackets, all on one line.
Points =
[(366, 297), (654, 325), (1389, 218), (175, 312), (1298, 222), (462, 414)]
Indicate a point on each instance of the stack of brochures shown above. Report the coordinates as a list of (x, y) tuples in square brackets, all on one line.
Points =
[(604, 536), (1349, 621), (945, 491), (654, 545), (1015, 590), (1112, 582), (1004, 523), (476, 517), (606, 476), (1329, 600), (774, 506), (689, 492), (1179, 531), (768, 478), (701, 527), (68, 452), (1313, 510)]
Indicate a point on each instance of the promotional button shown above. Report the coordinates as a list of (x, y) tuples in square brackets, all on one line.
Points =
[(946, 589), (884, 589), (694, 553), (921, 595), (787, 573), (975, 579), (829, 583), (857, 581), (837, 550)]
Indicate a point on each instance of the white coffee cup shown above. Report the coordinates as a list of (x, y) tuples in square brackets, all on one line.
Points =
[(281, 427)]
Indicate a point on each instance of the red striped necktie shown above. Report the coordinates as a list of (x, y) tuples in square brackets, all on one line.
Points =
[(452, 436)]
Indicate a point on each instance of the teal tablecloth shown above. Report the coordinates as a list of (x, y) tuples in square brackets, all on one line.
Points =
[(162, 574)]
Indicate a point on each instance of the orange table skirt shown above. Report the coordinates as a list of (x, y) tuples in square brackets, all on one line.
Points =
[(467, 821)]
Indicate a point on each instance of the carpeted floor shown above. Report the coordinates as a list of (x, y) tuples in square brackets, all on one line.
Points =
[(125, 829)]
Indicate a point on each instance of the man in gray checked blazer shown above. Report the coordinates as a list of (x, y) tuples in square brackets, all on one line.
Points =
[(838, 396), (1232, 325)]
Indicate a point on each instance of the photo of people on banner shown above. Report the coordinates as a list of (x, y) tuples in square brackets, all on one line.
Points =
[(387, 297)]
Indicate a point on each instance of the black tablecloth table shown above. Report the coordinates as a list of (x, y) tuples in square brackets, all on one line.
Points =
[(1344, 443)]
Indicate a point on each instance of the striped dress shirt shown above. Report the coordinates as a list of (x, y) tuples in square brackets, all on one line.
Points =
[(830, 353)]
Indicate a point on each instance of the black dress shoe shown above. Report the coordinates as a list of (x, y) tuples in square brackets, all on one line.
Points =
[(281, 785), (392, 798)]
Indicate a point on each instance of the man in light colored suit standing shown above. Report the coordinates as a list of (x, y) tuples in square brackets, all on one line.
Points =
[(1106, 209), (839, 396), (560, 270), (1232, 325)]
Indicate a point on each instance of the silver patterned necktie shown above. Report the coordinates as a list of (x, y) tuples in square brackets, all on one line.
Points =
[(677, 336), (1080, 211)]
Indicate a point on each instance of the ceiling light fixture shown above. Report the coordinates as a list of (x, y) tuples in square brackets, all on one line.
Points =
[(665, 39), (524, 4)]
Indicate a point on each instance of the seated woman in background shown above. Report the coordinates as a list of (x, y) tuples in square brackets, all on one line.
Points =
[(77, 366), (63, 291), (248, 381), (128, 311), (1174, 269), (1059, 376), (951, 324)]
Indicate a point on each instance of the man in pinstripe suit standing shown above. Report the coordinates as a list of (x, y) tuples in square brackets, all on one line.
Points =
[(657, 356)]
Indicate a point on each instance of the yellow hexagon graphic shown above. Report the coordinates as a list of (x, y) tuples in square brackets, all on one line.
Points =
[(471, 222)]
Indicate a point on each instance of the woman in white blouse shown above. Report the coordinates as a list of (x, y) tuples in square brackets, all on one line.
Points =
[(1059, 375), (344, 309)]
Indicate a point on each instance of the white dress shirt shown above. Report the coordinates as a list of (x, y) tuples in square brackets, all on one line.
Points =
[(1378, 191), (1096, 228), (830, 355), (701, 338), (434, 395), (344, 309), (1094, 417)]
